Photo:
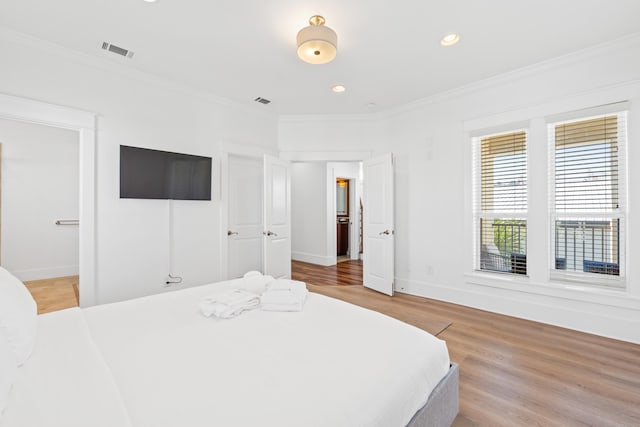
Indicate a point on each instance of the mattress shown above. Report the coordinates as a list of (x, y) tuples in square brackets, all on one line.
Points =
[(156, 361)]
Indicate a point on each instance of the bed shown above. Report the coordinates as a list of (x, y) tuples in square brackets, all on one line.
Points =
[(156, 361)]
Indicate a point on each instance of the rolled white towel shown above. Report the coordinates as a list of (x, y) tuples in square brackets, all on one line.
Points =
[(229, 304), (252, 273), (254, 281)]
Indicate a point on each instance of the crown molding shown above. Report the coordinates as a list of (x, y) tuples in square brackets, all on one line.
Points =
[(620, 44), (126, 71)]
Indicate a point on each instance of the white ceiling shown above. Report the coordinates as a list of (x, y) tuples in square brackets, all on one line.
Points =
[(388, 51)]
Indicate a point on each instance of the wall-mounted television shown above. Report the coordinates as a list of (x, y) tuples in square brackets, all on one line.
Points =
[(154, 174)]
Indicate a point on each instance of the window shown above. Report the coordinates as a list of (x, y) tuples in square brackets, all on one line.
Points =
[(587, 195), (500, 202)]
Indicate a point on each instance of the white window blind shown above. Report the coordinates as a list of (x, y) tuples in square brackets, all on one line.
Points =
[(588, 195), (500, 207)]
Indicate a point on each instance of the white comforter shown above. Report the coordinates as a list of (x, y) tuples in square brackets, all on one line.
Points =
[(156, 361)]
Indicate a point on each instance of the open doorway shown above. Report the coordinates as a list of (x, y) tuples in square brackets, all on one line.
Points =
[(326, 222), (314, 187), (83, 123), (343, 222), (318, 216), (348, 220), (345, 202), (39, 209)]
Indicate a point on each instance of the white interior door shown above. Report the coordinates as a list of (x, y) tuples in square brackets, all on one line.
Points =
[(378, 224), (245, 223), (277, 217)]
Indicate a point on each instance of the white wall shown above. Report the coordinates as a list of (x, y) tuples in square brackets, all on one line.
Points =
[(309, 213), (340, 135), (138, 109), (430, 139), (39, 186)]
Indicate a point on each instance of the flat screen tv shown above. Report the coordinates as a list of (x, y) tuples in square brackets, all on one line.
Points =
[(154, 174)]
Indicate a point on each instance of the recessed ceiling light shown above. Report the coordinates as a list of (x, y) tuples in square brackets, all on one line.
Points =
[(150, 1), (450, 39), (338, 88)]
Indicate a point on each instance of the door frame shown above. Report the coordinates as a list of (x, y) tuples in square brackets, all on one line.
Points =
[(327, 157), (332, 239), (42, 113)]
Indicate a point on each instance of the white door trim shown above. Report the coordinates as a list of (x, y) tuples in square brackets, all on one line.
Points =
[(27, 110)]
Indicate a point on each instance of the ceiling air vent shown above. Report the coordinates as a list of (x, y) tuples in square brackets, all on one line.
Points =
[(262, 100), (117, 50)]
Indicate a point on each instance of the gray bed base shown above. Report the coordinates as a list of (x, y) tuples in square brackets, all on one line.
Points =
[(442, 407)]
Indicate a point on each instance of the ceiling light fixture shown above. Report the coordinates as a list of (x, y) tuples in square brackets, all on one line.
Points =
[(338, 88), (317, 44), (450, 39)]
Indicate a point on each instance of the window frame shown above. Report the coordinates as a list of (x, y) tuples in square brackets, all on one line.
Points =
[(607, 281), (477, 201)]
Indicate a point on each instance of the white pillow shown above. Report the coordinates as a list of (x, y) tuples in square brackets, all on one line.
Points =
[(18, 316), (8, 370)]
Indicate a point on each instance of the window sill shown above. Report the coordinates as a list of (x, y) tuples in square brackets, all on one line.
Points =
[(588, 282), (565, 288)]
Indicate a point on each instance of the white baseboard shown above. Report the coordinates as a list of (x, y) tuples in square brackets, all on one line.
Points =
[(46, 273), (622, 323), (313, 259)]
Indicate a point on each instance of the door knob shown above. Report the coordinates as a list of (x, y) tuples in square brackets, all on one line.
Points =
[(385, 232), (231, 233), (269, 233)]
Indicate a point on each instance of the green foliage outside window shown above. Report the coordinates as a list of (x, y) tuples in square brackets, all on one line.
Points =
[(510, 236)]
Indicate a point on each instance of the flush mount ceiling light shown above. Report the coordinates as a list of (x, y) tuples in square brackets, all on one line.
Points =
[(317, 44), (338, 88), (450, 39)]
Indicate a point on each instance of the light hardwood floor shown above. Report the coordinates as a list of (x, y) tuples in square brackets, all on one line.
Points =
[(513, 372), (54, 294)]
